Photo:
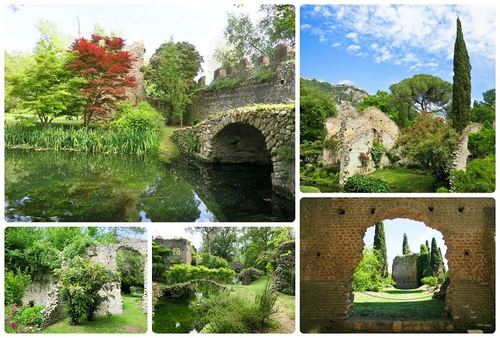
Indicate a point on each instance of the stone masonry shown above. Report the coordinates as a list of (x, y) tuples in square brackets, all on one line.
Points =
[(258, 135), (331, 245), (136, 51), (182, 250), (404, 271)]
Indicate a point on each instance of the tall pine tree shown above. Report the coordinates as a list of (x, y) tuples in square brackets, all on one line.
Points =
[(379, 245), (461, 101), (406, 246), (441, 259), (427, 245), (436, 259)]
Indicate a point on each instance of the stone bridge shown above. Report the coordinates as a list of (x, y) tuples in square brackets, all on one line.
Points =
[(331, 245), (261, 134)]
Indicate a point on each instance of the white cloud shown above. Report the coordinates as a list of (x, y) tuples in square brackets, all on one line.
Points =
[(353, 48), (306, 26), (352, 35), (336, 44), (345, 82)]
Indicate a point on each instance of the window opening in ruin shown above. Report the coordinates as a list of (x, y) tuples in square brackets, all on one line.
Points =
[(130, 266), (402, 274)]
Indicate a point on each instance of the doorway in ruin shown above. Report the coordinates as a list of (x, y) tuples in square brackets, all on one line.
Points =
[(130, 264), (402, 274)]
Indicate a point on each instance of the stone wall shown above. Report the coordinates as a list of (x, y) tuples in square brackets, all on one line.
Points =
[(39, 290), (355, 135), (331, 245), (182, 250), (257, 134), (283, 276), (280, 88), (136, 51), (404, 271)]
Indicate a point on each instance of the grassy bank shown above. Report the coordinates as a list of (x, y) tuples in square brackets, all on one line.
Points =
[(72, 138), (168, 150), (132, 320), (398, 304), (406, 180)]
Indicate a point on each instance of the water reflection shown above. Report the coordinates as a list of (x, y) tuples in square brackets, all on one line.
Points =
[(65, 186)]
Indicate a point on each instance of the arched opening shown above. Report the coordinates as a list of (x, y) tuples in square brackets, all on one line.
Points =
[(130, 264), (240, 143), (402, 274)]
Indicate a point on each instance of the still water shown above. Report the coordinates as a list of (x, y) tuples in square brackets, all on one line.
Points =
[(66, 186)]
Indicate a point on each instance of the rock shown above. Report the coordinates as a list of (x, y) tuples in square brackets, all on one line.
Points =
[(404, 271)]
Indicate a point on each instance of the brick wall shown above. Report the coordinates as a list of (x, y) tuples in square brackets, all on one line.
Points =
[(331, 246)]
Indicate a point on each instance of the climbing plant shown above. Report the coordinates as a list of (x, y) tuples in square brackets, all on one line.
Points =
[(377, 151)]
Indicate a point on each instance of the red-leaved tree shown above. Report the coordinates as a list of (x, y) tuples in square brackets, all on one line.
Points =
[(105, 66)]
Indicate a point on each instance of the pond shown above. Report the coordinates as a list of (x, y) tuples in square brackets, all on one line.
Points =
[(68, 186), (174, 315)]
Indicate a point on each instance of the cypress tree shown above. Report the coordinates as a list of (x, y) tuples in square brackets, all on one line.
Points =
[(423, 249), (406, 246), (379, 245), (460, 107), (441, 259), (436, 260), (427, 245)]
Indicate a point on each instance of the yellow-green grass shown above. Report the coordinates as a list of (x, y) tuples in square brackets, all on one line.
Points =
[(168, 150), (406, 180), (61, 120)]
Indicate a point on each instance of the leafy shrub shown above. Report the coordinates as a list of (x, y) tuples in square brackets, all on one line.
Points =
[(377, 152), (359, 183), (213, 262), (482, 143), (424, 268), (325, 178), (182, 273), (479, 176), (16, 284), (31, 315), (247, 276), (442, 190), (228, 82), (264, 74), (310, 152), (80, 285), (227, 312), (366, 276), (142, 117), (430, 281)]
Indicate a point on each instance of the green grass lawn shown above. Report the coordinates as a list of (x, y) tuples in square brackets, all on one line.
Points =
[(132, 320), (61, 120), (397, 304), (168, 150), (308, 188), (285, 303), (406, 180)]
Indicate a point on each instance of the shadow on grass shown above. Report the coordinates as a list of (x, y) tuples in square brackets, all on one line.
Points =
[(403, 292), (400, 310)]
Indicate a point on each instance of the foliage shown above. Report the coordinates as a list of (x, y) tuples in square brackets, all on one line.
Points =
[(315, 107), (227, 82), (16, 284), (406, 246), (377, 151), (429, 143), (182, 273), (430, 281), (81, 284), (160, 259), (310, 151), (460, 109), (96, 140), (264, 74), (227, 312), (478, 177), (402, 179), (278, 23), (380, 247), (16, 65), (381, 100), (31, 315), (224, 243), (436, 261), (424, 264), (169, 78), (248, 275), (130, 265), (48, 89), (213, 262), (426, 93), (482, 143), (359, 183), (366, 276), (105, 66), (139, 118), (326, 178)]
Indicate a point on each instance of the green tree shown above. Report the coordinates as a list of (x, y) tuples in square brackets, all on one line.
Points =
[(423, 263), (160, 258), (424, 93), (429, 142), (427, 246), (380, 247), (406, 246), (315, 107), (169, 78), (484, 111), (381, 100), (436, 260), (15, 66), (16, 284), (460, 108), (479, 176), (224, 243), (441, 259), (48, 89), (130, 265), (81, 286), (366, 276), (278, 23)]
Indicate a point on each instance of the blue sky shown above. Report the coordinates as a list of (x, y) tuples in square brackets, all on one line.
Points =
[(200, 23), (417, 233), (373, 47)]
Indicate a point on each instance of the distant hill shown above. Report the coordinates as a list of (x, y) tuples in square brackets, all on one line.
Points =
[(341, 93)]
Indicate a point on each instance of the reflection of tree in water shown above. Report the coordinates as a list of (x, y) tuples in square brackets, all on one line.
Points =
[(48, 186), (170, 198)]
